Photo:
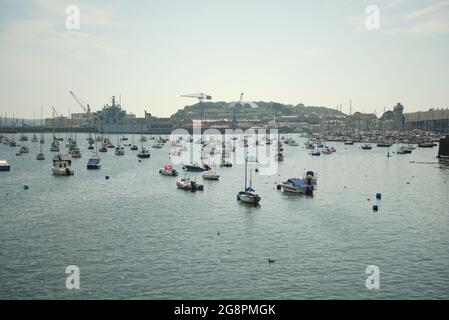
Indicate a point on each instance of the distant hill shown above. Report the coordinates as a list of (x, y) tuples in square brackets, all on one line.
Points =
[(259, 108)]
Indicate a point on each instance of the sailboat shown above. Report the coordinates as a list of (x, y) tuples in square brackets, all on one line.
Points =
[(134, 146), (34, 139), (248, 194), (119, 150), (94, 161), (143, 153), (41, 155)]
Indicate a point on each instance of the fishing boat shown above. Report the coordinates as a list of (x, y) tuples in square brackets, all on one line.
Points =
[(248, 194), (168, 170), (189, 184), (310, 177), (94, 162), (366, 147), (4, 165), (62, 168), (296, 185)]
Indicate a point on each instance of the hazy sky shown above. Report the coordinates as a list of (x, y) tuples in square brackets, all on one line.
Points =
[(316, 52)]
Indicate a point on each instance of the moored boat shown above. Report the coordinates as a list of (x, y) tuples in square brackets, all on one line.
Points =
[(296, 185), (168, 170)]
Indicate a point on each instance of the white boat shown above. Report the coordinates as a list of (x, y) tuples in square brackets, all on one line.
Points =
[(210, 175), (295, 185), (62, 168), (168, 170), (143, 153), (119, 151), (157, 146), (54, 146), (310, 177), (4, 165), (326, 151), (76, 153), (188, 184), (248, 194), (403, 150), (24, 149)]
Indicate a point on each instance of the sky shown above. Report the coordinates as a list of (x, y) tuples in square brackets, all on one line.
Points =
[(150, 52)]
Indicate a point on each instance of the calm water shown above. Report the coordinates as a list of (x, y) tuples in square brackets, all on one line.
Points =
[(136, 236)]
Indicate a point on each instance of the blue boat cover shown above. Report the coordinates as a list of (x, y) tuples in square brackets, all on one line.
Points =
[(93, 162), (297, 182)]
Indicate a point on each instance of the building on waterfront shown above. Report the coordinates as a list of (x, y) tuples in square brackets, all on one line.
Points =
[(398, 117), (436, 120)]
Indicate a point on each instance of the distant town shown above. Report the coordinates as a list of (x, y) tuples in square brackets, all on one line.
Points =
[(114, 119)]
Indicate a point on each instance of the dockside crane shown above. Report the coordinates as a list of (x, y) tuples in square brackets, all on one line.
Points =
[(200, 96), (86, 109)]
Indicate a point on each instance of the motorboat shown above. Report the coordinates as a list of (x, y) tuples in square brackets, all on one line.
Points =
[(168, 170), (188, 184), (143, 153), (24, 149), (40, 156), (384, 144), (103, 148), (157, 146), (134, 147), (76, 153), (94, 162), (296, 185), (327, 151), (143, 139), (366, 147), (193, 167), (316, 153), (210, 175), (310, 177), (403, 150), (54, 146), (119, 151), (426, 144), (349, 142), (4, 165), (62, 157), (62, 168), (12, 143)]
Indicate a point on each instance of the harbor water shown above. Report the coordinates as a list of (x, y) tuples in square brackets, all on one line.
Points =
[(136, 236)]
